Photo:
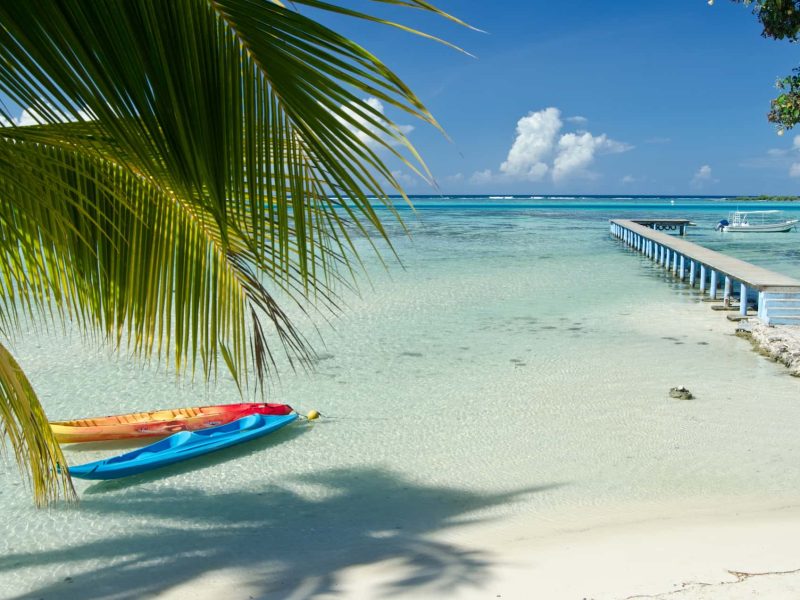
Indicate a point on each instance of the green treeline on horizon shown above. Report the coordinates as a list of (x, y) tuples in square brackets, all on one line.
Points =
[(765, 198)]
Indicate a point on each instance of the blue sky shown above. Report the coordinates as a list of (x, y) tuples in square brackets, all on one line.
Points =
[(591, 97), (645, 97)]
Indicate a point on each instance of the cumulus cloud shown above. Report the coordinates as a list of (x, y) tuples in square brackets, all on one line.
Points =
[(576, 151), (702, 176), (365, 130), (536, 135), (578, 120), (541, 150)]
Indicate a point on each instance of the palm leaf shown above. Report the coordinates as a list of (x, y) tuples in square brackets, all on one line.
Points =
[(215, 163), (27, 431)]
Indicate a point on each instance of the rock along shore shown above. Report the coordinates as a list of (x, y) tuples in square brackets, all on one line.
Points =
[(781, 343)]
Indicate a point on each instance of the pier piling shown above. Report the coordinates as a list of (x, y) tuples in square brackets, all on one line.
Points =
[(778, 295)]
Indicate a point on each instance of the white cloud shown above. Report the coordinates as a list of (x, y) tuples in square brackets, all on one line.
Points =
[(578, 120), (31, 116), (539, 151), (628, 179), (536, 135), (702, 176), (405, 179), (776, 158), (454, 178), (794, 170), (481, 177), (28, 117), (576, 151), (365, 130)]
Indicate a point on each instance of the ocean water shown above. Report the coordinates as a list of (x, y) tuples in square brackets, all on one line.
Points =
[(515, 368)]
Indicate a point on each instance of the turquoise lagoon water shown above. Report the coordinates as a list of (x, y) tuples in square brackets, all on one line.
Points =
[(514, 369)]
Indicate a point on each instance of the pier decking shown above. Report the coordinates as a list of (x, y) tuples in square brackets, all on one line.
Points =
[(665, 224), (778, 295)]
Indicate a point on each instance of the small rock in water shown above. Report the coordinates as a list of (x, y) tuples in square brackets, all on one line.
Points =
[(681, 393)]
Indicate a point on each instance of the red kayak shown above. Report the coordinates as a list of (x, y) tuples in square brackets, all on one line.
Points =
[(160, 422)]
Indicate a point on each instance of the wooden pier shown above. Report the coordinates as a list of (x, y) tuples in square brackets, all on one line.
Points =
[(678, 225), (778, 296)]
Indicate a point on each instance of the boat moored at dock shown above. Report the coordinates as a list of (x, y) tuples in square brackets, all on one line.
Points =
[(756, 221)]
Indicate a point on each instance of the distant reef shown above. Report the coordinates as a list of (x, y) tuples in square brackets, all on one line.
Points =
[(768, 198)]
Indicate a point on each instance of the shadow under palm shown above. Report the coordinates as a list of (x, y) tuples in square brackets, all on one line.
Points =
[(290, 543)]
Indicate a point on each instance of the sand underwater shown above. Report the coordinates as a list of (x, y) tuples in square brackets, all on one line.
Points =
[(496, 424)]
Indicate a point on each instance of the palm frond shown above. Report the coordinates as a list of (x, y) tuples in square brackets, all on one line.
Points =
[(223, 152), (26, 430)]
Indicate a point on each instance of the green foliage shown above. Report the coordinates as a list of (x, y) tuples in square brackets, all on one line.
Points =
[(765, 198), (785, 109), (193, 157), (781, 20)]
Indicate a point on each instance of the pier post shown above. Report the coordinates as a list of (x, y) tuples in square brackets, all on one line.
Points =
[(692, 272), (674, 263), (682, 268), (743, 300), (702, 278), (726, 295), (663, 255), (712, 287), (667, 253)]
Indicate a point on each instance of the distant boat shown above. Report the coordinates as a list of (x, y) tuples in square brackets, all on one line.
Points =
[(756, 221), (182, 446)]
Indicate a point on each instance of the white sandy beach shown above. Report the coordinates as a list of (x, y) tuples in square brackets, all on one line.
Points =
[(731, 553)]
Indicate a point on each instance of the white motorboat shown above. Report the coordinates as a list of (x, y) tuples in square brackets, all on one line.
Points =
[(756, 221)]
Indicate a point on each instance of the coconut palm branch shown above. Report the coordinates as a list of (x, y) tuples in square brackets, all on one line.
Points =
[(192, 159)]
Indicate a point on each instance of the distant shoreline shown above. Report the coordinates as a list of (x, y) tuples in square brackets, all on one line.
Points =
[(764, 198)]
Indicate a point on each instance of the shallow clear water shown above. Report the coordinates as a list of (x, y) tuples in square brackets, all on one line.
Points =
[(517, 367)]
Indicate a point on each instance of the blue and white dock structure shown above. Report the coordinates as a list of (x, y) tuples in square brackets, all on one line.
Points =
[(778, 295)]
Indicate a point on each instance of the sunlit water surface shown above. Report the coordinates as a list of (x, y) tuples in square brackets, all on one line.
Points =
[(516, 367)]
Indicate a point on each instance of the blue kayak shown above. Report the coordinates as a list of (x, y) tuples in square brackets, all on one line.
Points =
[(182, 446)]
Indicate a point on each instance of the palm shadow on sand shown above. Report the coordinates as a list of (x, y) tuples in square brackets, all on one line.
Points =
[(290, 544)]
